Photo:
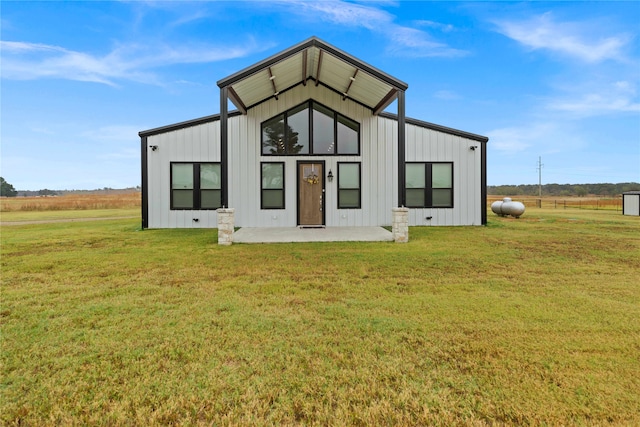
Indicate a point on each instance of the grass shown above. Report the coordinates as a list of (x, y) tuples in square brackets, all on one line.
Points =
[(73, 214), (530, 321)]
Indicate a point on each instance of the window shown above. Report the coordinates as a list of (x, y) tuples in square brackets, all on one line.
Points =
[(272, 178), (323, 130), (310, 129), (196, 186), (273, 136), (349, 184), (348, 136), (429, 185)]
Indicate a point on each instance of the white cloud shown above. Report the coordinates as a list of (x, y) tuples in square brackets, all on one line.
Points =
[(577, 40), (342, 13), (545, 137), (415, 43), (616, 97), (403, 40), (436, 25), (29, 61), (596, 104), (114, 133), (509, 140), (447, 95)]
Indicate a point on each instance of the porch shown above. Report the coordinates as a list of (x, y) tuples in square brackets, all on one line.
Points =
[(326, 234)]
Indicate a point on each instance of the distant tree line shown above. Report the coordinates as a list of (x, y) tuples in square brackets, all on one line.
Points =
[(105, 190), (7, 190), (564, 190)]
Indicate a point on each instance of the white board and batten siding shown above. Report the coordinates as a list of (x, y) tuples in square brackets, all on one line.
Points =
[(378, 158), (427, 145), (200, 143)]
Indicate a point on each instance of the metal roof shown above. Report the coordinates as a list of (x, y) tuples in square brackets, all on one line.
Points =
[(312, 61)]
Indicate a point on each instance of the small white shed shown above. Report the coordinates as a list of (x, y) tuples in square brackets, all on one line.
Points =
[(631, 203)]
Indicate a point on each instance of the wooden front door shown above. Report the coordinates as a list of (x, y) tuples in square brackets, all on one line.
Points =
[(310, 194)]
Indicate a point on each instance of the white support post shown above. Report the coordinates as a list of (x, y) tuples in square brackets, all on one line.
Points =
[(400, 225), (225, 226)]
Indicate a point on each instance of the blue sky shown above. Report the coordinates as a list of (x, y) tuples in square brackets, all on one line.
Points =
[(559, 80)]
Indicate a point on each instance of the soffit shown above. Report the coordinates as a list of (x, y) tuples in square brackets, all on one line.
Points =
[(312, 62)]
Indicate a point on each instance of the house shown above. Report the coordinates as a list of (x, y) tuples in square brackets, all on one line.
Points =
[(309, 144), (631, 203)]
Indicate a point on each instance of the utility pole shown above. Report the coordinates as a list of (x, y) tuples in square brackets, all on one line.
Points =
[(540, 165)]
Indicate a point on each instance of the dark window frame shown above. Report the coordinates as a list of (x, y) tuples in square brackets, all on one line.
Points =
[(359, 164), (428, 186), (196, 190), (309, 104), (283, 189)]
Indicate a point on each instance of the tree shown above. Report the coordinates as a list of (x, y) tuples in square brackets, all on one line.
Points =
[(274, 140), (47, 192), (7, 189)]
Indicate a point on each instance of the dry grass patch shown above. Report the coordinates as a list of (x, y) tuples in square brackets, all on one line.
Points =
[(530, 321), (71, 202), (71, 206)]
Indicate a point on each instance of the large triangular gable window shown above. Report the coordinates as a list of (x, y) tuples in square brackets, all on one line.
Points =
[(310, 129)]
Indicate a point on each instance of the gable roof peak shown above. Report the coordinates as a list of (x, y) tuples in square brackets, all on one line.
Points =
[(312, 60)]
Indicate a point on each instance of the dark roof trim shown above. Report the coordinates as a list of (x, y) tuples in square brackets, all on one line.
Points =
[(187, 124), (323, 46), (438, 128)]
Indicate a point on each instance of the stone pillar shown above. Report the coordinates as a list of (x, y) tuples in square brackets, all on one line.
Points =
[(400, 225), (225, 226)]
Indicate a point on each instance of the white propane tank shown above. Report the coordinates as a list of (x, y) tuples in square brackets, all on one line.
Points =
[(508, 207), (496, 207)]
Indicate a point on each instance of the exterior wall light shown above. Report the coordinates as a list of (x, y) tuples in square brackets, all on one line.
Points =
[(330, 176), (153, 147)]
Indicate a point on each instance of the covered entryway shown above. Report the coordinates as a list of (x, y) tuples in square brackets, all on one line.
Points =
[(311, 194), (312, 62)]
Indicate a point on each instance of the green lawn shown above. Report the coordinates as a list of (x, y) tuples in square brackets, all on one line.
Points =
[(529, 321), (55, 215)]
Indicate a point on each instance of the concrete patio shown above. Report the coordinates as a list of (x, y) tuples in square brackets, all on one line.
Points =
[(297, 234)]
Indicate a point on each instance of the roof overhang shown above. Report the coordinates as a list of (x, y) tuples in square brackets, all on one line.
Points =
[(312, 62)]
